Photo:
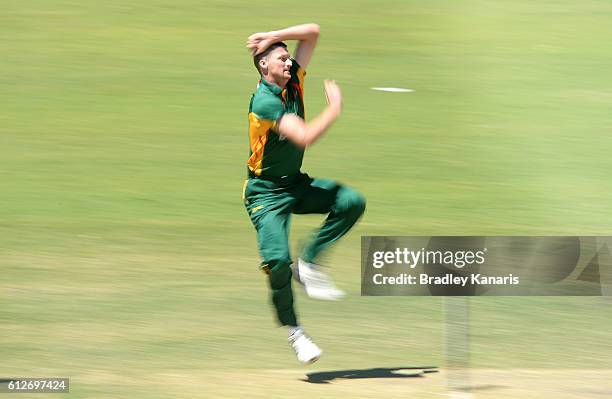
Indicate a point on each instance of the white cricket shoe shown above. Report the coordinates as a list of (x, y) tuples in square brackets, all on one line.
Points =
[(318, 284), (307, 351)]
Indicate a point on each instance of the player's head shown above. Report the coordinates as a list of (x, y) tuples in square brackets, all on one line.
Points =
[(274, 62)]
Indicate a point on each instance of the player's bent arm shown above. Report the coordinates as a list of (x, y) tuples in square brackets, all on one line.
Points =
[(306, 34), (305, 134), (306, 46)]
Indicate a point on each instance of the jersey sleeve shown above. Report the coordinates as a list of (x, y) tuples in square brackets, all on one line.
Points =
[(266, 111), (268, 108)]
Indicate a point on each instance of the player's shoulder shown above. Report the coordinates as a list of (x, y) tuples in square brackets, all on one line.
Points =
[(266, 104)]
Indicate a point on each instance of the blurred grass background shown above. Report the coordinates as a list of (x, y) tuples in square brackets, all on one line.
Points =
[(127, 256)]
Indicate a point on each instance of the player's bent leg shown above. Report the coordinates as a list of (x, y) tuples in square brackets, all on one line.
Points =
[(344, 207), (347, 208)]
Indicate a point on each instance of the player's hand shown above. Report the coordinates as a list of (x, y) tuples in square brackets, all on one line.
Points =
[(334, 95), (258, 42)]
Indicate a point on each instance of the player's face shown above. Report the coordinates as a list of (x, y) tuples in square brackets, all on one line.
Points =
[(279, 64)]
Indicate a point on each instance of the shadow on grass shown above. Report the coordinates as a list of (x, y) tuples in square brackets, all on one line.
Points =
[(324, 377)]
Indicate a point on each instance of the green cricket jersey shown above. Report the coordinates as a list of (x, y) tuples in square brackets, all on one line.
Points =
[(272, 155)]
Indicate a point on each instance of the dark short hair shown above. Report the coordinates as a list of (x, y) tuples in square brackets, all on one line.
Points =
[(267, 51)]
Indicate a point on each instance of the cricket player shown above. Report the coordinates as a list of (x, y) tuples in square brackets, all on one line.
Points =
[(276, 188)]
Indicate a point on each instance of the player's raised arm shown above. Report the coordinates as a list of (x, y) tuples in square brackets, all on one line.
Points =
[(304, 133), (306, 34)]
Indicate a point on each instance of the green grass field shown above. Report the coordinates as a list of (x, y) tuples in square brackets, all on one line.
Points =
[(128, 262)]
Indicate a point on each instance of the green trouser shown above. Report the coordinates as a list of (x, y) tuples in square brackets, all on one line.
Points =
[(270, 204)]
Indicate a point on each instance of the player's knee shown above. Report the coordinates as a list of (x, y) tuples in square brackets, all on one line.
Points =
[(351, 202), (359, 204)]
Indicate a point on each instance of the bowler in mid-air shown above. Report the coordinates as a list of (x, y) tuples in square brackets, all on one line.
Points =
[(276, 188)]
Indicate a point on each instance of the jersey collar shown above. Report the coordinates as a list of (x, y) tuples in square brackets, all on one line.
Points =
[(274, 88)]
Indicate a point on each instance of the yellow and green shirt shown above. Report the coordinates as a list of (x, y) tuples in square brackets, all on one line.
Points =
[(272, 155)]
